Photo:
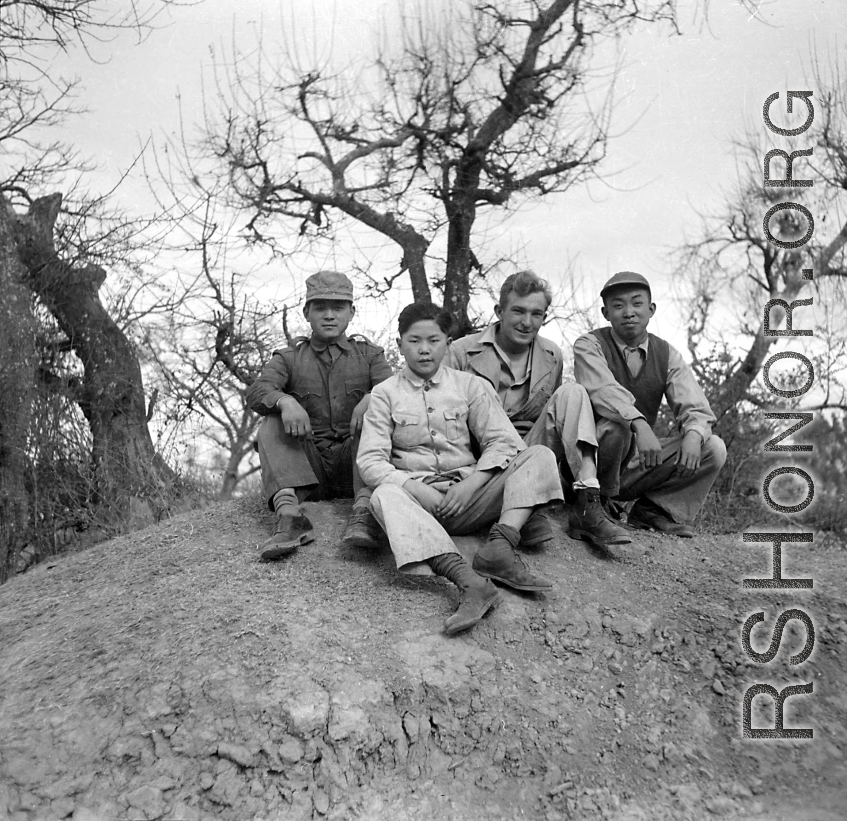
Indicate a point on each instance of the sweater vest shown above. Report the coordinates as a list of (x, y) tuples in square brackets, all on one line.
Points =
[(648, 387)]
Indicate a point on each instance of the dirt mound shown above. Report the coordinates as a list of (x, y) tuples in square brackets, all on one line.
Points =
[(169, 674)]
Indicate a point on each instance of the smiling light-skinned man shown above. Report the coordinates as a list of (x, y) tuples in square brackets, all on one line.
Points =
[(525, 369), (627, 371), (313, 396)]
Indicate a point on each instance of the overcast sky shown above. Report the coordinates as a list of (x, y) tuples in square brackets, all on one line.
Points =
[(681, 100)]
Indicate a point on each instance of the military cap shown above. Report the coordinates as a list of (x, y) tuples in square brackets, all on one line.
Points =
[(329, 285), (625, 278)]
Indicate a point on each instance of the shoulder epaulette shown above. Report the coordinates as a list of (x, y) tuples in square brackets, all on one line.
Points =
[(364, 339), (295, 344)]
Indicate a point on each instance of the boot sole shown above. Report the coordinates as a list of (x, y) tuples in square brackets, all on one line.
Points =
[(526, 588), (635, 524), (361, 542), (588, 536), (609, 551), (536, 542), (468, 623), (277, 551)]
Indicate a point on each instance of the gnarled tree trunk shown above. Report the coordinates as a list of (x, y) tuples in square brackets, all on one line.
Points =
[(132, 484), (17, 375)]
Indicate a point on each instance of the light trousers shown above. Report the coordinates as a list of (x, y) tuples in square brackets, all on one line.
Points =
[(566, 420), (415, 535)]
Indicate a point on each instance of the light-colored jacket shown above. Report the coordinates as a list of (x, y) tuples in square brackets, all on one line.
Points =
[(475, 354), (415, 428)]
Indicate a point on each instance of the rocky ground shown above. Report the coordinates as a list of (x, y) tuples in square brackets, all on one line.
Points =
[(170, 675)]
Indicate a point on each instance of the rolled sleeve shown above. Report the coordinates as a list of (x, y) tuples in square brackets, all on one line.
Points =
[(686, 398), (609, 398)]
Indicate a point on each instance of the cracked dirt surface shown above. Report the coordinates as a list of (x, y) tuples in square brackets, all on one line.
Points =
[(170, 675)]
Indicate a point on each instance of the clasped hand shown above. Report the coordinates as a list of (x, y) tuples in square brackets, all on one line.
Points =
[(454, 502), (687, 459)]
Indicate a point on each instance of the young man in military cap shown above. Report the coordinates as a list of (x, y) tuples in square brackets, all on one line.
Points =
[(525, 369), (627, 371), (313, 396)]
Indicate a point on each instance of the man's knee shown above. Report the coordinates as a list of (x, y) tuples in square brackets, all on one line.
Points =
[(270, 428), (612, 434), (571, 391), (385, 495), (542, 457), (714, 450)]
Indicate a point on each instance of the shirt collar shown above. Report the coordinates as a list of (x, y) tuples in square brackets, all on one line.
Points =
[(342, 342), (621, 344), (487, 337), (417, 381)]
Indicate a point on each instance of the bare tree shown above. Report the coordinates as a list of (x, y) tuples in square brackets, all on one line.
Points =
[(54, 249), (735, 259), (211, 343), (476, 111), (17, 365)]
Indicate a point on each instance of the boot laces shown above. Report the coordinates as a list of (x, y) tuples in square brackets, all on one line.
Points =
[(520, 560), (592, 498)]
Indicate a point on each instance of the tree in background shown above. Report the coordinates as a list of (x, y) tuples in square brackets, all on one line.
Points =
[(212, 341), (63, 346), (734, 260), (18, 356), (733, 265), (480, 108)]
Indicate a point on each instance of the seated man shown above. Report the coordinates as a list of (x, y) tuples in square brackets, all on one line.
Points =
[(526, 371), (627, 371), (313, 396), (416, 454)]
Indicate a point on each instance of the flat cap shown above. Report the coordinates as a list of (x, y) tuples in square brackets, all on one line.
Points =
[(329, 285), (625, 278)]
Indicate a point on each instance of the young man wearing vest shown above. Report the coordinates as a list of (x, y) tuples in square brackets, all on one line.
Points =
[(313, 396), (525, 370), (627, 371)]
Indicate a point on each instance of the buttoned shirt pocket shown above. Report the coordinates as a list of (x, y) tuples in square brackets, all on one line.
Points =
[(406, 428), (355, 389), (456, 423), (306, 386)]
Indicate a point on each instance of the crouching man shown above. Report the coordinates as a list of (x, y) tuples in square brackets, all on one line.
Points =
[(313, 396), (416, 454), (627, 371), (525, 369)]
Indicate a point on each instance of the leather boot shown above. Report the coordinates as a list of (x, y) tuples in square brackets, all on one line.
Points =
[(588, 521), (362, 530), (646, 515), (291, 531), (478, 594), (497, 560), (536, 531)]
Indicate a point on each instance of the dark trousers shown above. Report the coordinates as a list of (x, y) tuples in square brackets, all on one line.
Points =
[(317, 468), (621, 477)]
